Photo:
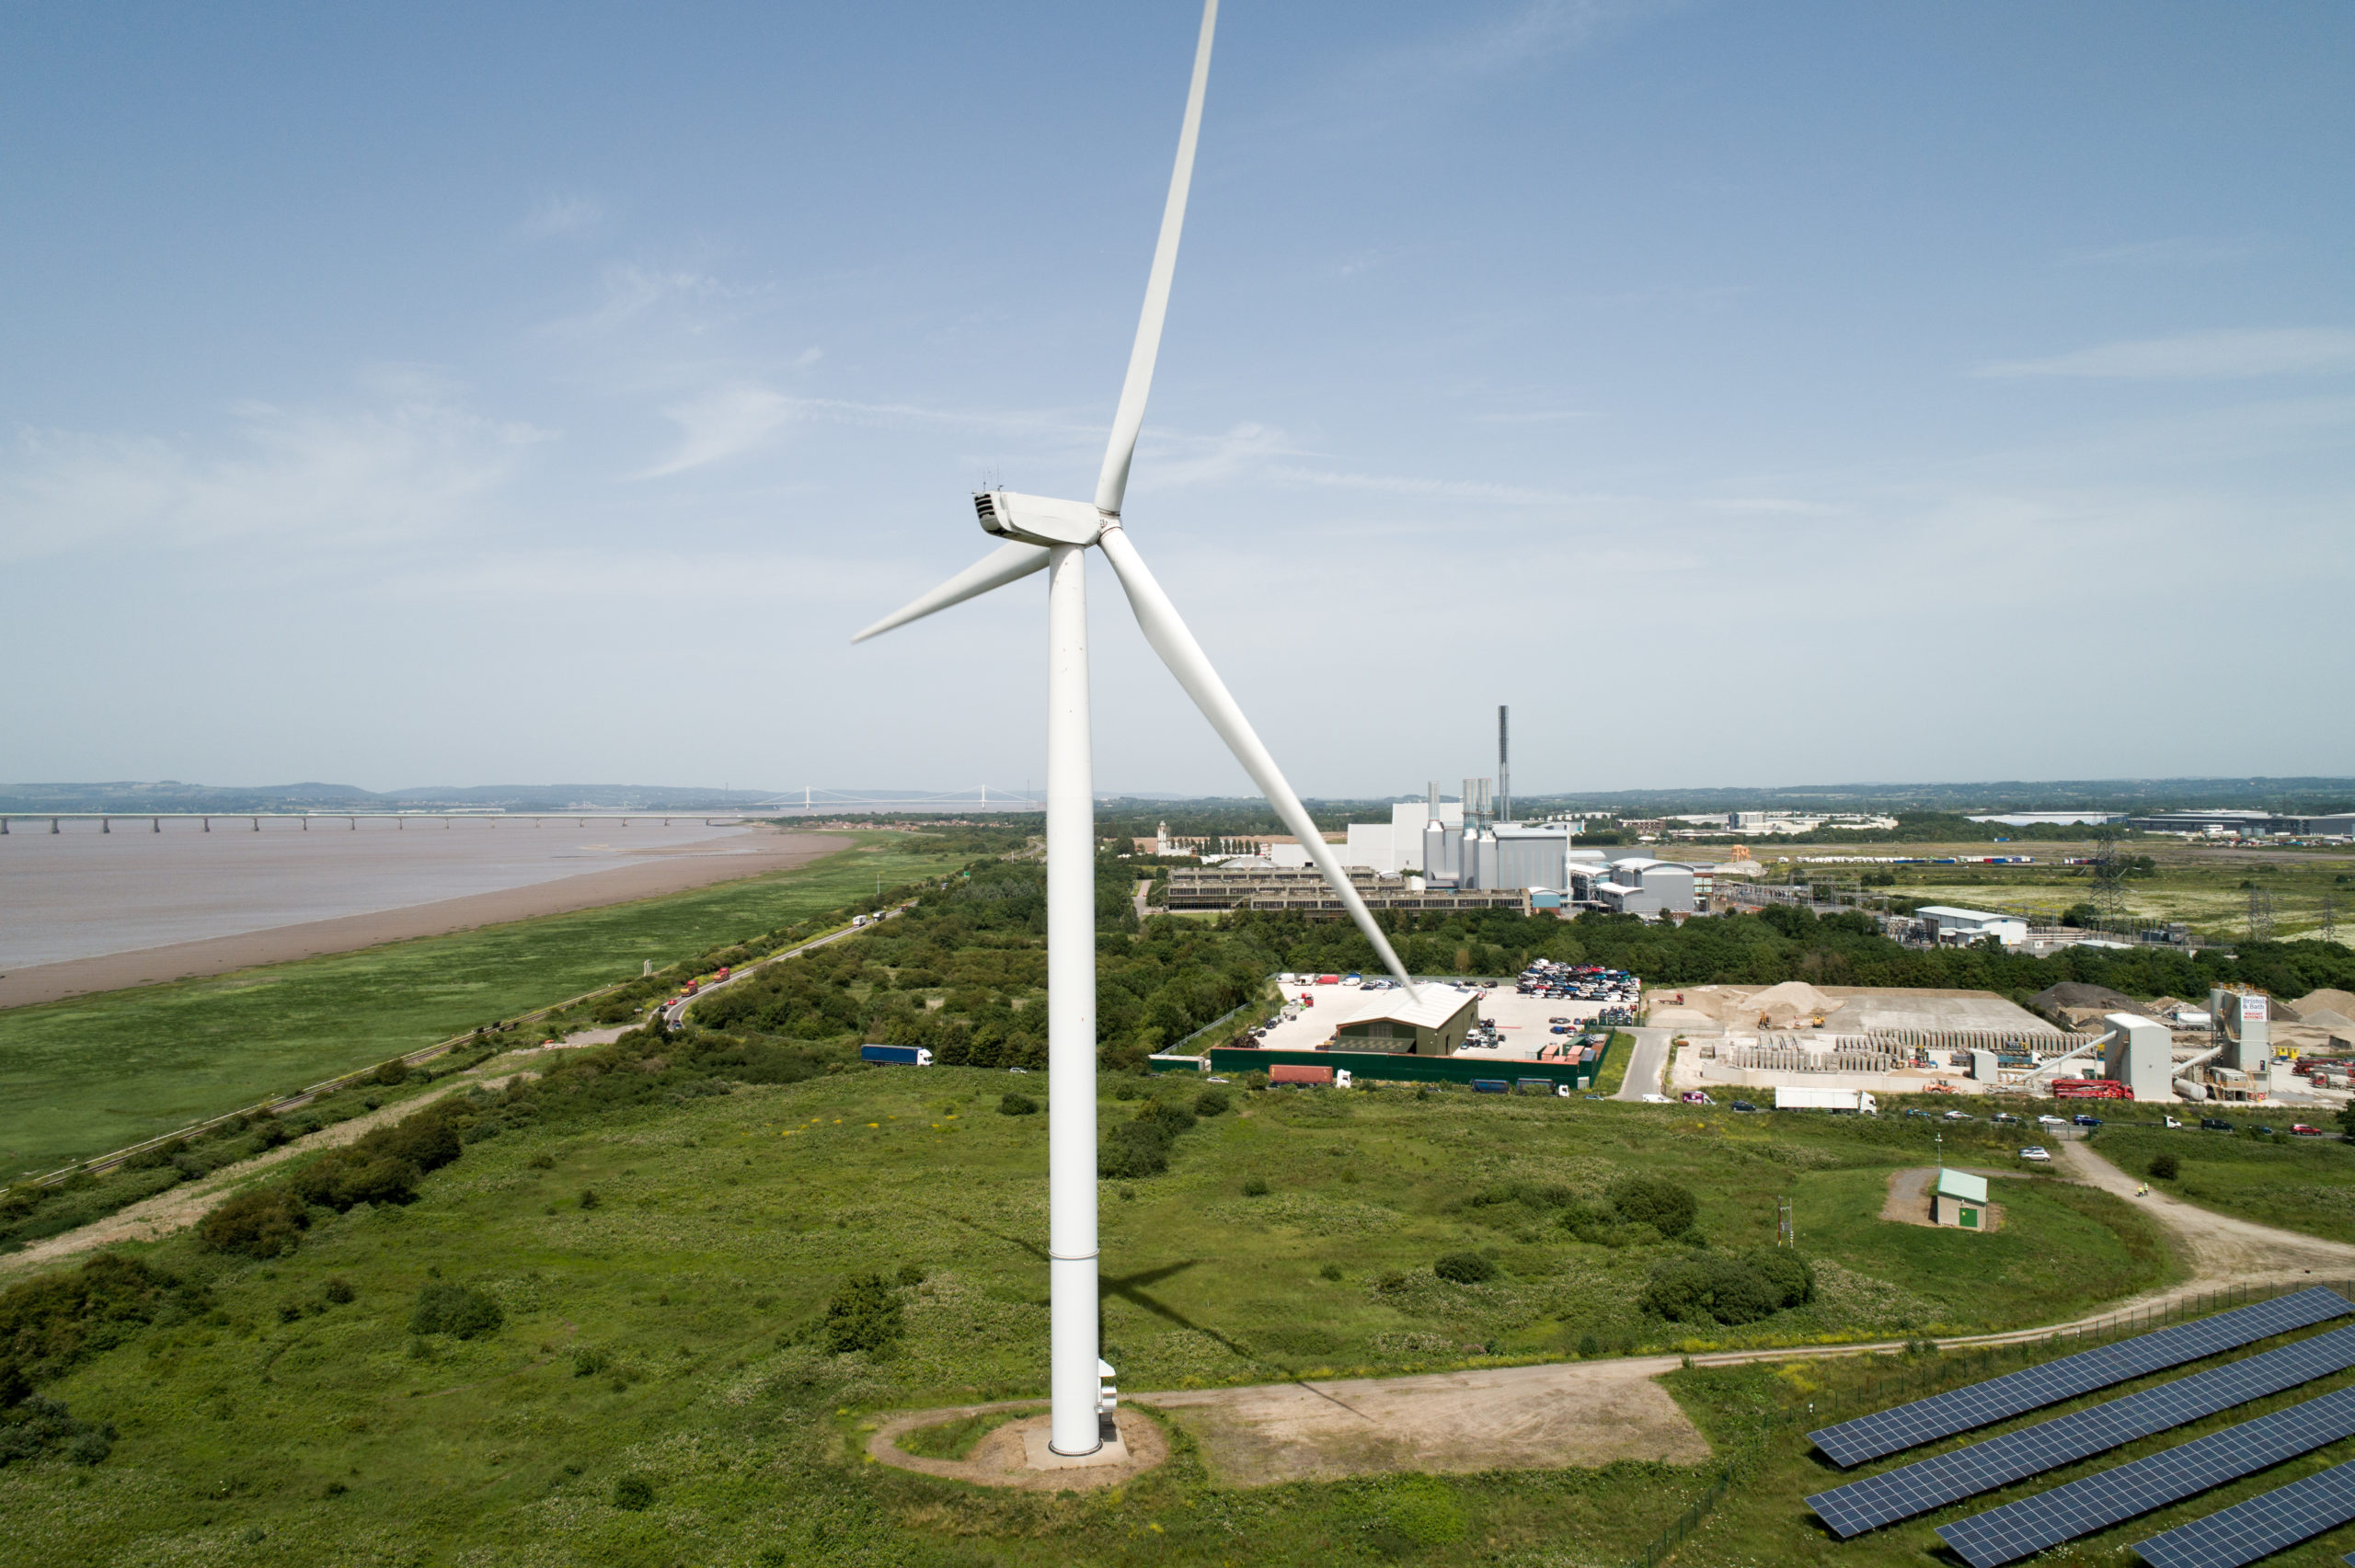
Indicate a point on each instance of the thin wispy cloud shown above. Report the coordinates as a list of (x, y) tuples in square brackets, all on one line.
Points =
[(1771, 505), (332, 480), (561, 215), (727, 421), (1448, 489), (2182, 250), (2198, 356)]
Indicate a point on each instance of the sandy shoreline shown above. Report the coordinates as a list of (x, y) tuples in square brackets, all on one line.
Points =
[(675, 871)]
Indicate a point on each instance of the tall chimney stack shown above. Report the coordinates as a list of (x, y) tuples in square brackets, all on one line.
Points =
[(1504, 765)]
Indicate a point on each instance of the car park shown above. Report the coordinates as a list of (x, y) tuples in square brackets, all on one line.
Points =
[(2037, 1151)]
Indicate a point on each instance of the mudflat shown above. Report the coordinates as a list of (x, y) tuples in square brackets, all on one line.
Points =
[(753, 853)]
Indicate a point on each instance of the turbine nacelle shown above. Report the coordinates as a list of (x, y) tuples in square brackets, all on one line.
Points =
[(1040, 520)]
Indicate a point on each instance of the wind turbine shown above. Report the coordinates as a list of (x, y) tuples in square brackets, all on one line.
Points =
[(1045, 534)]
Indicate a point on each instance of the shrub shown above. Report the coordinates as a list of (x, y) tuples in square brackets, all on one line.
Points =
[(2166, 1167), (1211, 1102), (260, 1222), (1330, 1272), (48, 1324), (337, 1290), (1660, 1203), (1013, 1104), (1465, 1268), (911, 1276), (1786, 1273), (347, 1178), (391, 1074), (1590, 1346), (459, 1310), (36, 1427), (1709, 1286), (589, 1363), (864, 1315), (588, 1198), (1134, 1149), (633, 1493), (1255, 1186)]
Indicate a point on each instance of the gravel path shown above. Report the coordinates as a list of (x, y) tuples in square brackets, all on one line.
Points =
[(153, 1218)]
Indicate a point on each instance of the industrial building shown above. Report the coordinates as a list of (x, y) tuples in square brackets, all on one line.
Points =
[(1434, 1027), (1285, 889), (1637, 886), (2248, 824), (1949, 926)]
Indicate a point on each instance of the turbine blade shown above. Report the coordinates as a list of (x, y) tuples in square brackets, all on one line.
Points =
[(1186, 661), (1008, 563), (1112, 483)]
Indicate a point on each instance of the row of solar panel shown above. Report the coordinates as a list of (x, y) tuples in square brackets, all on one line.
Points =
[(1948, 1478), (2254, 1529), (1852, 1443)]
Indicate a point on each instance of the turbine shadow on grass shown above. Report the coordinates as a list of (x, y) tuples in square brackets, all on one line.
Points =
[(1130, 1289)]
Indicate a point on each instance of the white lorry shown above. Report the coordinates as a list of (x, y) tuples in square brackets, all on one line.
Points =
[(1853, 1101)]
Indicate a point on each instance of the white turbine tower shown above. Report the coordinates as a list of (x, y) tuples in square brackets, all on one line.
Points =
[(1053, 535)]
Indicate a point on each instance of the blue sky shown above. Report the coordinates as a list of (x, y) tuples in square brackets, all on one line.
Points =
[(1746, 393)]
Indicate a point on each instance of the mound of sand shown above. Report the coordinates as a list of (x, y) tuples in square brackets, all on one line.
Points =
[(1789, 1002), (2340, 1003)]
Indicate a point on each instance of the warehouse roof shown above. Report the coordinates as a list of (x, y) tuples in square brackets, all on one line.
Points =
[(1439, 1003)]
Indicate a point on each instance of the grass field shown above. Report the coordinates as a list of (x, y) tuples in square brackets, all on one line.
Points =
[(2298, 1184), (2205, 886), (663, 1334), (80, 1076)]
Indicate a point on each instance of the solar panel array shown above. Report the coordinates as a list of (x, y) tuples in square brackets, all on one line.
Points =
[(1886, 1432), (1946, 1477), (2260, 1526), (2026, 1528)]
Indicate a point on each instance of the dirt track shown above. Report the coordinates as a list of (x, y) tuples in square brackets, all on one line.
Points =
[(151, 1220), (2223, 1251), (675, 870)]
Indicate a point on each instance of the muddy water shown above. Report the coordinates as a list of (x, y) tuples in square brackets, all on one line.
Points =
[(81, 893)]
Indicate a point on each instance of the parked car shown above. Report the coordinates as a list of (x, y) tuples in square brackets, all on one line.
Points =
[(2302, 1130), (1960, 1116), (2051, 1121), (2000, 1118), (1744, 1105), (2083, 1120), (2215, 1124), (2037, 1151)]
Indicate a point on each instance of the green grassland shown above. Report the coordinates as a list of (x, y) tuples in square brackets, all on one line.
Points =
[(2298, 1184), (80, 1076), (2205, 887), (668, 1331), (1764, 1518)]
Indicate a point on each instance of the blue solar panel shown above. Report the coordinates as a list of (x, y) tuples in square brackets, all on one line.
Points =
[(1906, 1426), (1948, 1477), (2026, 1528), (2258, 1527)]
